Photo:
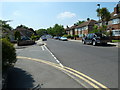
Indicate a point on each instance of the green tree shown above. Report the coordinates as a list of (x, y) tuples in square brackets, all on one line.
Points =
[(79, 22), (58, 30), (5, 26), (104, 14), (41, 32), (95, 29), (17, 35), (50, 31)]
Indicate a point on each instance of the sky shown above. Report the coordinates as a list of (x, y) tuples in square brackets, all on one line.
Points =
[(39, 15)]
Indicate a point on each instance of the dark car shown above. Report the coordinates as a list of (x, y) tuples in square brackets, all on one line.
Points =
[(95, 38), (43, 38), (56, 37)]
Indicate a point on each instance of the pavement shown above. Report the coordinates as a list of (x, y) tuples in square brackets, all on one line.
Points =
[(116, 44), (33, 74)]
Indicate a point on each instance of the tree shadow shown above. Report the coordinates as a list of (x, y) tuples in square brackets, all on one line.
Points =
[(19, 79)]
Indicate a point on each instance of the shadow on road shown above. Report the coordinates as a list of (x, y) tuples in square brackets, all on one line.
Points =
[(18, 78), (107, 45)]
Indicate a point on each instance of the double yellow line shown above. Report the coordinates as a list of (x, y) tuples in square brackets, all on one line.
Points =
[(87, 79)]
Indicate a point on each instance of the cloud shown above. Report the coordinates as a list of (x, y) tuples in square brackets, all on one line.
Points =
[(65, 15)]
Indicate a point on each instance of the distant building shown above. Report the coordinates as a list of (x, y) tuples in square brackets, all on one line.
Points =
[(81, 29), (25, 31), (85, 28)]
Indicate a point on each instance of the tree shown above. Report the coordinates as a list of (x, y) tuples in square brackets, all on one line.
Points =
[(17, 35), (102, 29), (22, 26), (104, 14), (5, 26), (5, 29), (79, 22), (41, 32), (50, 31), (58, 30), (95, 29)]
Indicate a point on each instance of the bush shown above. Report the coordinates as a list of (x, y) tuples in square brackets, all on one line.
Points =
[(8, 54), (76, 36), (17, 35), (33, 37), (72, 37), (65, 35), (69, 36)]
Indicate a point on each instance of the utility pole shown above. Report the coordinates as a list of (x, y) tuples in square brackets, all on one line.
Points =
[(99, 16)]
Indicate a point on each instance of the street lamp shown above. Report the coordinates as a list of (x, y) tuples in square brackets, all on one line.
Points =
[(99, 13)]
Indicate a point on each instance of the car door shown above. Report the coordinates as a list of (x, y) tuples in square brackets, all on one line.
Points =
[(87, 38), (91, 38)]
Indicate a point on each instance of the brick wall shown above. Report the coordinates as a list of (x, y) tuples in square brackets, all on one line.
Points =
[(85, 32), (114, 26)]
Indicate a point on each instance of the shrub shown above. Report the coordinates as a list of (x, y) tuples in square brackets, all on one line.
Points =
[(72, 37), (8, 54), (33, 37), (17, 35), (69, 36), (76, 36), (65, 35)]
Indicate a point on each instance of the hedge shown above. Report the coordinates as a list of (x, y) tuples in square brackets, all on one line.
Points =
[(8, 54)]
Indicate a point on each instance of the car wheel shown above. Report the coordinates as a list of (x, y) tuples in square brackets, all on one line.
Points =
[(94, 43), (83, 42)]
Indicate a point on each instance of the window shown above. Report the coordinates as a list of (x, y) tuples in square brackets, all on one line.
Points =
[(116, 33), (76, 29), (116, 21)]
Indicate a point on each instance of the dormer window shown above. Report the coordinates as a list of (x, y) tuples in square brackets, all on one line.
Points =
[(114, 14)]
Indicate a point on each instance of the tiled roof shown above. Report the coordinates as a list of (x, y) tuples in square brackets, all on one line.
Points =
[(113, 16), (72, 27), (91, 22)]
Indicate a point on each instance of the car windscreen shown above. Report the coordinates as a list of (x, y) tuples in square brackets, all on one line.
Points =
[(100, 35)]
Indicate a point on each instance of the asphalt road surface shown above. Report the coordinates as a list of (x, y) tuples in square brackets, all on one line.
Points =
[(98, 62)]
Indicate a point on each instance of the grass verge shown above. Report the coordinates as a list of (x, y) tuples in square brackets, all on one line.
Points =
[(115, 41)]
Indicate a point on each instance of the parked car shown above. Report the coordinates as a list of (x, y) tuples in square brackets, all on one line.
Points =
[(44, 38), (56, 37), (63, 38), (95, 38)]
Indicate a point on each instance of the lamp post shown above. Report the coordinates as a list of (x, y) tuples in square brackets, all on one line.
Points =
[(99, 15)]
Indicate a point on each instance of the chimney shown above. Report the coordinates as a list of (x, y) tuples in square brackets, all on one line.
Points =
[(116, 9), (88, 19)]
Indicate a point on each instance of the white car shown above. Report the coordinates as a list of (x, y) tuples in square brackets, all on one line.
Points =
[(63, 38)]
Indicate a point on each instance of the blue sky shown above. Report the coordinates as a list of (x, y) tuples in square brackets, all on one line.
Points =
[(45, 14)]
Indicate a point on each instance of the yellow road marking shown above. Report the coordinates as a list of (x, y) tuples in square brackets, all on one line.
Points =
[(63, 68)]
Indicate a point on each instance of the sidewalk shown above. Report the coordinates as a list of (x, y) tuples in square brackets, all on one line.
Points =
[(116, 44), (23, 75), (29, 74)]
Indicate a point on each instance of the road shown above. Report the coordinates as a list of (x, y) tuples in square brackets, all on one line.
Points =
[(29, 73), (98, 62)]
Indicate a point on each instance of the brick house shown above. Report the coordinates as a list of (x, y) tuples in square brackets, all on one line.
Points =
[(81, 29), (84, 28), (71, 30), (114, 23)]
